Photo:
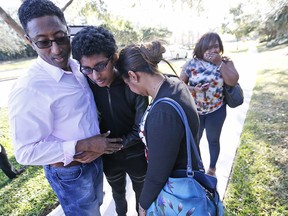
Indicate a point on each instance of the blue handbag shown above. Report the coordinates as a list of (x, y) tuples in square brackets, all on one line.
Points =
[(187, 192)]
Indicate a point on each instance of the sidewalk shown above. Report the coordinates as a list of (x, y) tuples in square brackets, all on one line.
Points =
[(230, 137)]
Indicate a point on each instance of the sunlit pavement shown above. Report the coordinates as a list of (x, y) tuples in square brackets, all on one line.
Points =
[(246, 65)]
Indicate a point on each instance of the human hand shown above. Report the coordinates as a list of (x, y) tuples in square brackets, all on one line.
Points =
[(199, 87), (213, 57), (142, 212), (99, 144), (86, 157), (205, 86)]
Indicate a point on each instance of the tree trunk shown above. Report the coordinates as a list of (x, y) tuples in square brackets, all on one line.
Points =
[(66, 5), (15, 26), (11, 22)]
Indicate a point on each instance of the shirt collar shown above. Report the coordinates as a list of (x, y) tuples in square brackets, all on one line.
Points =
[(55, 72)]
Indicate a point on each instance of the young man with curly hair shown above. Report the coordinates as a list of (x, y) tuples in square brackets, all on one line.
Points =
[(120, 111)]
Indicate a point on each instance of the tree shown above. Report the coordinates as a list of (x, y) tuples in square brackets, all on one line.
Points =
[(269, 24), (12, 23), (15, 26), (13, 43), (149, 34)]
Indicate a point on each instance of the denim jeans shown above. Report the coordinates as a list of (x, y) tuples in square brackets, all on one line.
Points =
[(213, 123), (79, 188)]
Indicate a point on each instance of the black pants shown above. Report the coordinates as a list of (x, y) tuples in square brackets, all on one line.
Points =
[(5, 165), (131, 161)]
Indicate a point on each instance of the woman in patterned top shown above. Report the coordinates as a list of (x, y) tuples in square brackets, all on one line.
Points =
[(205, 75)]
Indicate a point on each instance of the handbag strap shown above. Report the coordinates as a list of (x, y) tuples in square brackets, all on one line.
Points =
[(190, 142)]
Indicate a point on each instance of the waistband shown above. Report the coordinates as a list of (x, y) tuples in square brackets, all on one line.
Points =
[(61, 164)]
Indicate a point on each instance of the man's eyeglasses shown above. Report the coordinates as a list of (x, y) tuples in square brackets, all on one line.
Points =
[(98, 67), (42, 44)]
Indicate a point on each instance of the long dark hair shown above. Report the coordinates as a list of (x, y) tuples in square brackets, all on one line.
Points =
[(203, 44)]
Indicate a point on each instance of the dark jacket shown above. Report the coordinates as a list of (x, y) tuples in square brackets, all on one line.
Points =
[(120, 111), (165, 137)]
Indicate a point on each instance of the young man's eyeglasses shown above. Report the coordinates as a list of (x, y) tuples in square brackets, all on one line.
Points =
[(98, 67), (43, 44)]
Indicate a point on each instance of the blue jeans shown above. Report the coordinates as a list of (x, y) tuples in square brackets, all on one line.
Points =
[(213, 123), (79, 188)]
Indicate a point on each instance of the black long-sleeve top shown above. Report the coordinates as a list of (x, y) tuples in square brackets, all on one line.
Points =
[(120, 111), (165, 138)]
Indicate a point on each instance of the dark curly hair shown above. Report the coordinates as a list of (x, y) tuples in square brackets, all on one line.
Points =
[(93, 40), (31, 9)]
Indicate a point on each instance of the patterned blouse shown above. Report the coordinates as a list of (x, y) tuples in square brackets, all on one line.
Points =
[(200, 71)]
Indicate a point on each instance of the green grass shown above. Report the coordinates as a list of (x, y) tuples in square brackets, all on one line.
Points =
[(10, 69), (30, 193), (259, 181), (15, 64)]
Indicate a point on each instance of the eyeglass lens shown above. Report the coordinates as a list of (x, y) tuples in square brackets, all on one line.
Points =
[(98, 68), (48, 43)]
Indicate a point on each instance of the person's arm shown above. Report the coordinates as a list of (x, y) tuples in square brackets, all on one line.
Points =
[(140, 104), (229, 73), (164, 134), (31, 123), (183, 76), (225, 66)]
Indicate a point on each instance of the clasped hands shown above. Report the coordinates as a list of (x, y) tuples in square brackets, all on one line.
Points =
[(93, 147)]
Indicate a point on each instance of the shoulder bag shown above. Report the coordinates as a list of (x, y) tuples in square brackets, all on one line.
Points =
[(187, 192), (233, 95)]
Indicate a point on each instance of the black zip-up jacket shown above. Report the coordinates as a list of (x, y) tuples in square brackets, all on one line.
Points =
[(120, 111)]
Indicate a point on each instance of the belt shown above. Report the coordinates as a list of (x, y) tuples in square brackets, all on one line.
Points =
[(61, 164)]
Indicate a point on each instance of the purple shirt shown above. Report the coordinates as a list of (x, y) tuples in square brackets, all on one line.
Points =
[(49, 110)]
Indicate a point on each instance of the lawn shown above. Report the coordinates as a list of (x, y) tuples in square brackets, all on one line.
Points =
[(30, 193), (259, 180), (13, 69)]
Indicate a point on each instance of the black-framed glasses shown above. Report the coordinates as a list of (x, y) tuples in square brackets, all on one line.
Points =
[(43, 44), (101, 66)]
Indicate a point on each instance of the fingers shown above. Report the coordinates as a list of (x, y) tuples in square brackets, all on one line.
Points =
[(86, 157), (213, 57), (102, 144), (117, 141), (105, 134), (112, 148), (198, 87)]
